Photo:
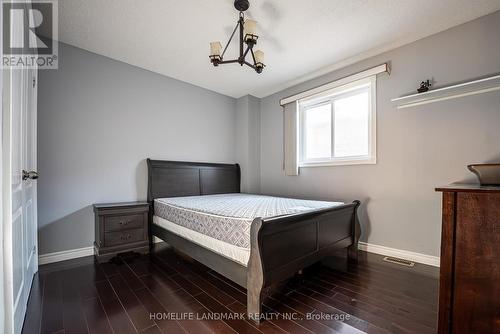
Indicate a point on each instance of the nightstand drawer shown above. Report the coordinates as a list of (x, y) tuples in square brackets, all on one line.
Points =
[(123, 237), (120, 228), (119, 223)]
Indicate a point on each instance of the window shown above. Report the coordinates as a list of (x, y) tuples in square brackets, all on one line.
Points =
[(337, 127)]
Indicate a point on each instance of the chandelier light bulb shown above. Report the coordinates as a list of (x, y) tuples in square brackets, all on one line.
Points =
[(259, 57), (215, 48), (250, 28)]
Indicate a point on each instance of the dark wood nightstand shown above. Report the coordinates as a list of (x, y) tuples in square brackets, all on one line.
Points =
[(120, 227)]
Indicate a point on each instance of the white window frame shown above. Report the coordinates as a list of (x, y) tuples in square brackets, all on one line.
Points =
[(328, 97)]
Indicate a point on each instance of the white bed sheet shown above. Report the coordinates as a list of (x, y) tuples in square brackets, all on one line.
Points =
[(232, 252)]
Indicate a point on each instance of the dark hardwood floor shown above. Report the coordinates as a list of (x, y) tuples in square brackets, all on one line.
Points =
[(167, 293)]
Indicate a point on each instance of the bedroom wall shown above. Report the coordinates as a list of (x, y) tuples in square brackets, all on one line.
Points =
[(247, 143), (418, 148), (98, 120)]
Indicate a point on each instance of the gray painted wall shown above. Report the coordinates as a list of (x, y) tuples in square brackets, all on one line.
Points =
[(418, 148), (98, 120), (247, 143)]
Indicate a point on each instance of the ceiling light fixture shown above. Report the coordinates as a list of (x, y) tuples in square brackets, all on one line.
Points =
[(248, 39)]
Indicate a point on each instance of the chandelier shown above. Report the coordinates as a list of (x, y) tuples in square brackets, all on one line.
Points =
[(248, 39)]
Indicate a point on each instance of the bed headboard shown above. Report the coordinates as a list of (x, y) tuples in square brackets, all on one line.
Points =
[(180, 178)]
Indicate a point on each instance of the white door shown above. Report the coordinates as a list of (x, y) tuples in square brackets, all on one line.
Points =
[(19, 189)]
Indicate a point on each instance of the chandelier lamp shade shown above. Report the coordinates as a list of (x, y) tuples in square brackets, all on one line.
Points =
[(248, 37)]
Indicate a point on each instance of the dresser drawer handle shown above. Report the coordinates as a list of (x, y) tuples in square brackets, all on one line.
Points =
[(126, 237), (123, 223)]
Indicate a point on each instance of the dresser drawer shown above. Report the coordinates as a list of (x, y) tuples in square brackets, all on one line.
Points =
[(122, 222), (123, 237)]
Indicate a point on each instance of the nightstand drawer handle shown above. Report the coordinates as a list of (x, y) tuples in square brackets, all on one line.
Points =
[(123, 237), (124, 223)]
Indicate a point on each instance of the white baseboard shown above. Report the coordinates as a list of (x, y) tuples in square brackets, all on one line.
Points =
[(65, 255), (402, 254), (71, 254), (371, 248)]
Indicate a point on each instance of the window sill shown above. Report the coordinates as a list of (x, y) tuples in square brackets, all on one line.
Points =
[(338, 163)]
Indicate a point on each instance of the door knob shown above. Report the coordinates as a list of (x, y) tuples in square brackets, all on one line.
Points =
[(30, 175)]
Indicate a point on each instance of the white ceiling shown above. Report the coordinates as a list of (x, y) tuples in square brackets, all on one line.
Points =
[(301, 39)]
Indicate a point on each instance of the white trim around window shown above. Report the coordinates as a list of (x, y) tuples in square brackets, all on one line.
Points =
[(383, 68), (328, 98)]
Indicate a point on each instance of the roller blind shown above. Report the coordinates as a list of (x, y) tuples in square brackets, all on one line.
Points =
[(290, 139)]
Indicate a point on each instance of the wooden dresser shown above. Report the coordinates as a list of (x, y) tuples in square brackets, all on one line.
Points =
[(469, 291), (120, 227)]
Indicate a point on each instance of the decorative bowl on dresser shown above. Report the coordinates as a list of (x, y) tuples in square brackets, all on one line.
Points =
[(487, 174), (119, 228), (469, 288)]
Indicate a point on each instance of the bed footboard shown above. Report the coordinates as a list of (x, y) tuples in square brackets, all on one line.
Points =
[(281, 246)]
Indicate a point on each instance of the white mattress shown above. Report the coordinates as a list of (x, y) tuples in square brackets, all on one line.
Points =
[(228, 217), (232, 252)]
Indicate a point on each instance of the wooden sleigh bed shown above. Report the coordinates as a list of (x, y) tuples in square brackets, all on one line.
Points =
[(279, 246)]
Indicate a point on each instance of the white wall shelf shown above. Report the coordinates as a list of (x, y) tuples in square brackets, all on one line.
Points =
[(446, 93)]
